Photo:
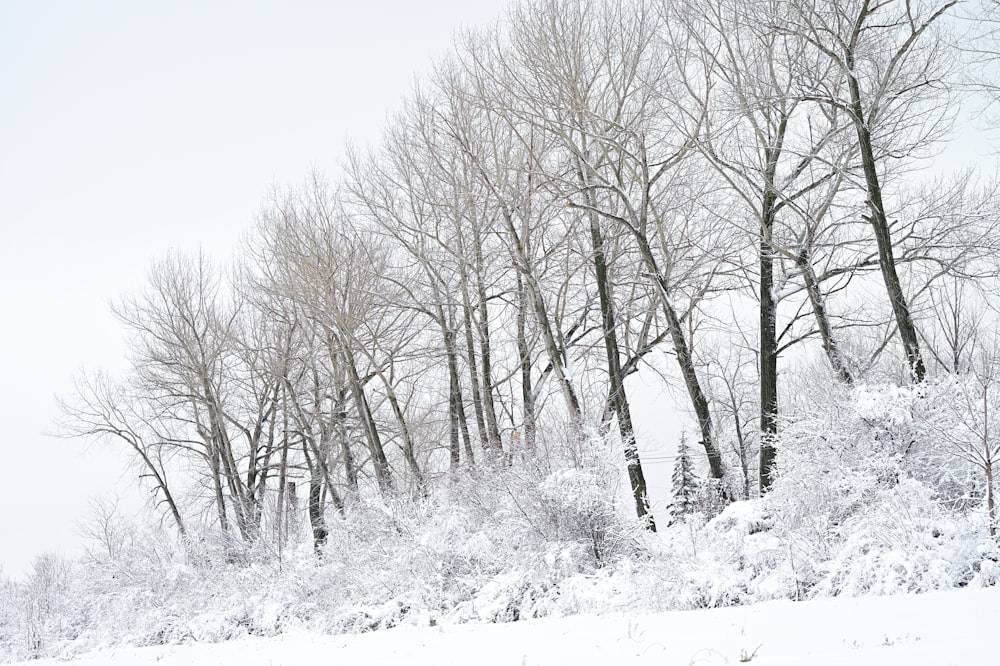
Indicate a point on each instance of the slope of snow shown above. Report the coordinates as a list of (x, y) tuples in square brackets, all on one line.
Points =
[(940, 629)]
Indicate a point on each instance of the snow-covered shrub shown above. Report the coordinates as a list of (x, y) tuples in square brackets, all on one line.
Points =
[(902, 541), (579, 510), (869, 498), (42, 611), (987, 564), (735, 558), (866, 500), (497, 543)]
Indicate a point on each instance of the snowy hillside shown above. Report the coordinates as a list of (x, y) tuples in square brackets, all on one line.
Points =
[(942, 628)]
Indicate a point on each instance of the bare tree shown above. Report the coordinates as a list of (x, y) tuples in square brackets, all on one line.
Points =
[(327, 270), (182, 344), (102, 409), (774, 152), (891, 58)]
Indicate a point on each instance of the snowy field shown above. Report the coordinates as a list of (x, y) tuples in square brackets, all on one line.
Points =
[(953, 628)]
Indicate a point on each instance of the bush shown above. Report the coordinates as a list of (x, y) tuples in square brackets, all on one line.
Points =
[(491, 545), (865, 501)]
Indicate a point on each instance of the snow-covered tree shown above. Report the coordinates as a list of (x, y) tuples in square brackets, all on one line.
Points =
[(685, 484)]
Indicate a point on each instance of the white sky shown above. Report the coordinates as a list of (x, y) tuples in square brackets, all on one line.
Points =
[(128, 128)]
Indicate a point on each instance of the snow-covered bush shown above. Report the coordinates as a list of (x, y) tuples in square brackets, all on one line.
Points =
[(42, 612), (870, 498), (872, 495), (491, 544)]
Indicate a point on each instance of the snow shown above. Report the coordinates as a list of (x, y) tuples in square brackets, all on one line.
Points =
[(954, 627)]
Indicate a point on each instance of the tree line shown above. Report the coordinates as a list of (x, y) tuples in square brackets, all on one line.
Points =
[(571, 194)]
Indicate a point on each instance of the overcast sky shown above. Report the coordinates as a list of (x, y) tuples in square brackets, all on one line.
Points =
[(128, 128)]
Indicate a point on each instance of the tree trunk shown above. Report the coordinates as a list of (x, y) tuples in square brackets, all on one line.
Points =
[(282, 513), (524, 354), (485, 360), (319, 472), (220, 498), (685, 362), (316, 518), (257, 467), (619, 400), (381, 465), (818, 303), (454, 440), (883, 237), (698, 399), (161, 483), (470, 350), (460, 422), (350, 467), (768, 345), (224, 453), (404, 431), (990, 506), (987, 458)]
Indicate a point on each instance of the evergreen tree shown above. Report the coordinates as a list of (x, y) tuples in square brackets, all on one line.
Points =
[(685, 484)]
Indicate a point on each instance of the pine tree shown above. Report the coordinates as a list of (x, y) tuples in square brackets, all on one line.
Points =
[(685, 484)]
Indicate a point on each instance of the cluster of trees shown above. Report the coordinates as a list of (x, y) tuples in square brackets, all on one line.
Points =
[(587, 186)]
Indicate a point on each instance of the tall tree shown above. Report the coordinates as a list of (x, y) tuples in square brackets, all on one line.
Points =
[(891, 59)]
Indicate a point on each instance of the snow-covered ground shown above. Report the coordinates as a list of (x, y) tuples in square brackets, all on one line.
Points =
[(953, 628)]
